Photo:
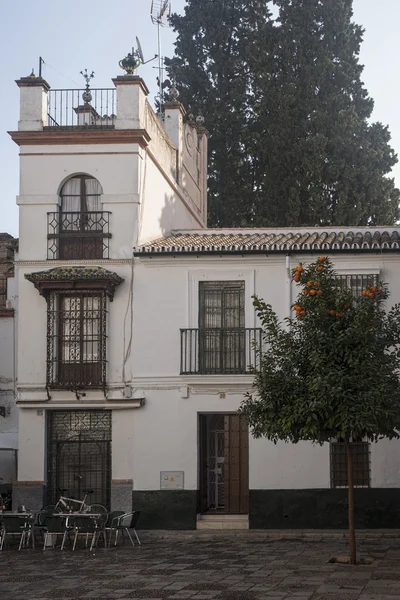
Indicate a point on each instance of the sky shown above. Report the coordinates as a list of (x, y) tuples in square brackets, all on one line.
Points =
[(93, 34)]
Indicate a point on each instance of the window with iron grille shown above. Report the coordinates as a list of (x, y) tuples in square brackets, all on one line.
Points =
[(76, 339), (79, 454), (222, 334), (3, 292), (356, 283), (80, 229), (361, 464)]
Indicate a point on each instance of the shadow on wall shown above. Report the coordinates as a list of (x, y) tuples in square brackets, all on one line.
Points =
[(171, 216)]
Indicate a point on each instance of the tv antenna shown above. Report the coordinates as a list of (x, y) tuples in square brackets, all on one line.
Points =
[(161, 16)]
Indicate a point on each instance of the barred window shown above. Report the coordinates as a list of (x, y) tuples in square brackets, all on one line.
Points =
[(3, 292), (361, 464), (222, 334), (356, 283), (76, 343)]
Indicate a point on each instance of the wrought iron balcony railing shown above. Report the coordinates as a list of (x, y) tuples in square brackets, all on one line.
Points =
[(74, 108), (228, 351), (78, 235)]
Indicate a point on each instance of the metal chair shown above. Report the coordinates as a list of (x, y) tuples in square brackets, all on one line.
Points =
[(124, 523), (17, 525), (54, 526), (89, 526)]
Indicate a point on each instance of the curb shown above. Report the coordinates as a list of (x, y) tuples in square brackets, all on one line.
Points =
[(264, 535)]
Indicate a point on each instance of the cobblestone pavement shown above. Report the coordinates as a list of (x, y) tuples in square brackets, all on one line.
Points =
[(239, 568)]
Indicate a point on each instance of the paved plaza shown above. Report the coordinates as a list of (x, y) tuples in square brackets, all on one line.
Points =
[(230, 568)]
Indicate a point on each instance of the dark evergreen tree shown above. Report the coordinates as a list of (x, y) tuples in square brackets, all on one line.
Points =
[(290, 139), (217, 46)]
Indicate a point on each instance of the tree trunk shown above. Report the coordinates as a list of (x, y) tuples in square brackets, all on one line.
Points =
[(352, 531)]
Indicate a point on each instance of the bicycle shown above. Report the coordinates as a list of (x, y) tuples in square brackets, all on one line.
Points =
[(5, 501), (73, 505)]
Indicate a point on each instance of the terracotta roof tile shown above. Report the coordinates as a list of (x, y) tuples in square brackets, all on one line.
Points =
[(269, 240)]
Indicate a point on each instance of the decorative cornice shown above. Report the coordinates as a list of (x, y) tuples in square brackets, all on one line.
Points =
[(78, 263), (131, 80), (32, 81), (80, 135), (175, 106), (75, 278)]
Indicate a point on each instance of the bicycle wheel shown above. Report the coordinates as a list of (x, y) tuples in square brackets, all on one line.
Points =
[(101, 510), (47, 510)]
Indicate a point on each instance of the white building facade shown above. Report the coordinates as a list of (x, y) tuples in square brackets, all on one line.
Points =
[(99, 174), (135, 327), (8, 358)]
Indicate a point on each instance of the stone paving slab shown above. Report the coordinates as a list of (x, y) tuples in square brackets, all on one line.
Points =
[(233, 568)]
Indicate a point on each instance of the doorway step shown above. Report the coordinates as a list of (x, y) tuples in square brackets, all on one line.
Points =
[(222, 521)]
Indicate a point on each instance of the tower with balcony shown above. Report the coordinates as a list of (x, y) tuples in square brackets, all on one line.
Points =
[(100, 173)]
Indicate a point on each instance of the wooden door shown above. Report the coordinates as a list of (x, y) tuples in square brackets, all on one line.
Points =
[(224, 487), (236, 465)]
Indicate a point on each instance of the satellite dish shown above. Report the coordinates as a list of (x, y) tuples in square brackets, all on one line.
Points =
[(140, 51)]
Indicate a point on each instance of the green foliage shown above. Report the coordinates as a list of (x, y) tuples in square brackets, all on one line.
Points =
[(290, 139), (331, 371)]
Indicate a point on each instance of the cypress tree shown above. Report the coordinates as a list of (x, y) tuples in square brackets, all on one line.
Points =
[(291, 143)]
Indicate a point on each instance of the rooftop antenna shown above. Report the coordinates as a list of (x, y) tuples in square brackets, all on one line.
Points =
[(161, 16)]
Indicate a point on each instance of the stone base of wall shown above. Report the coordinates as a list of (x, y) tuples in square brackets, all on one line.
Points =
[(166, 509), (30, 494), (121, 495), (323, 509)]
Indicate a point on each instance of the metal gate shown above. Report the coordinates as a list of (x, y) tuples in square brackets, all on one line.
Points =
[(79, 454), (215, 462)]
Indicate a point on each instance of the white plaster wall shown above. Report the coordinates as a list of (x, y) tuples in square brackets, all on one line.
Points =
[(165, 430), (162, 209), (115, 166), (166, 438), (8, 423), (385, 464), (288, 466), (31, 464), (123, 449)]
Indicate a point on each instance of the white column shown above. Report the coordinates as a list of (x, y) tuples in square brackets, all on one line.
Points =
[(131, 102)]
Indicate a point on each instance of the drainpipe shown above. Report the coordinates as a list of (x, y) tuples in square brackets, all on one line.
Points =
[(289, 274)]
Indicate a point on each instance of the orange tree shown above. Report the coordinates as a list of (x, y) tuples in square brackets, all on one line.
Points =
[(330, 371)]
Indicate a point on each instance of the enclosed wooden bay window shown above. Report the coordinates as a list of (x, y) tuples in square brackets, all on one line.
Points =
[(77, 305)]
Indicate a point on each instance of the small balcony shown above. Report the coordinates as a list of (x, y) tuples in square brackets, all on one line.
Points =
[(78, 235), (228, 351)]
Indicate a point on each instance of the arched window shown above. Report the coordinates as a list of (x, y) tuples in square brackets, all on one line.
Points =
[(81, 194), (81, 226)]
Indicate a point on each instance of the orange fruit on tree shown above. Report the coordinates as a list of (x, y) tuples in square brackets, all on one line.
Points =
[(332, 313), (312, 292), (319, 293), (338, 314), (322, 259), (299, 269), (373, 288), (320, 268), (365, 293), (297, 279), (310, 283), (371, 295), (305, 292)]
